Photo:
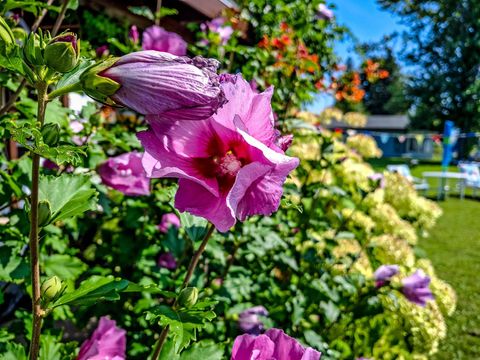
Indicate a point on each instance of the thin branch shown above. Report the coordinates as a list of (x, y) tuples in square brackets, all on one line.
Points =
[(60, 18), (157, 12), (39, 20)]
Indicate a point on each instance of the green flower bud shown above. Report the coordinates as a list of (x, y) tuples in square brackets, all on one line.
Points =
[(62, 52), (6, 34), (188, 297), (33, 50), (51, 134), (99, 87), (51, 288), (44, 212)]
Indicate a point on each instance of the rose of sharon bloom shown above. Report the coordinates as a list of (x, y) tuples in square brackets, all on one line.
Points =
[(249, 320), (228, 165), (153, 82), (157, 38), (415, 288), (168, 220), (323, 12), (167, 261), (273, 345), (125, 174), (384, 273), (107, 342)]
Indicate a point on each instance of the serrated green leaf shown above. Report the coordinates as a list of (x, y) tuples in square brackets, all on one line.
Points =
[(69, 195), (50, 348), (183, 323), (93, 290)]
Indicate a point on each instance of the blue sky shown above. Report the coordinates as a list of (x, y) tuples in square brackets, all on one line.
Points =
[(367, 22)]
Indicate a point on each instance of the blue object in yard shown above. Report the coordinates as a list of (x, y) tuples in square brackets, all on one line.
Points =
[(450, 137)]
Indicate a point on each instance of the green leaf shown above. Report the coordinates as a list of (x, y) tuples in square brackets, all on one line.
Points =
[(73, 76), (14, 352), (330, 310), (196, 227), (183, 323), (50, 348), (69, 195), (12, 265), (93, 290), (65, 267), (12, 60), (206, 349), (28, 135), (151, 289)]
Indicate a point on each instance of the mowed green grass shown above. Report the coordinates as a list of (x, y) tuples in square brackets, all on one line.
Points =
[(454, 249)]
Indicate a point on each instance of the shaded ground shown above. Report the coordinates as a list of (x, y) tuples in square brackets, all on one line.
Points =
[(454, 249)]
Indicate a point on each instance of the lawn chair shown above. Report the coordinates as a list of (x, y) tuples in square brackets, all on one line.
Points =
[(473, 175), (404, 170)]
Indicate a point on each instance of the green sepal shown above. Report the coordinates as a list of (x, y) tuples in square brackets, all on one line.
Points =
[(44, 212), (99, 87), (60, 55)]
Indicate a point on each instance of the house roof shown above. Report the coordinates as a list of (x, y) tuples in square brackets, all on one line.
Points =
[(211, 8), (377, 122)]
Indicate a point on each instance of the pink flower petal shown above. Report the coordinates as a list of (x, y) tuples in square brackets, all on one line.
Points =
[(197, 200)]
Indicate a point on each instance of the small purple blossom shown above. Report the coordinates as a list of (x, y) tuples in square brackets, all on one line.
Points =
[(218, 26), (384, 273), (416, 288), (250, 321), (323, 12), (102, 51), (168, 220), (133, 34), (167, 261), (172, 87), (125, 174), (107, 342), (274, 344), (159, 39)]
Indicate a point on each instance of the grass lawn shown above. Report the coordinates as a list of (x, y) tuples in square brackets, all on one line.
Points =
[(454, 248)]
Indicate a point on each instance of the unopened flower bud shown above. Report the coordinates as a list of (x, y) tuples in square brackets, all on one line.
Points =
[(44, 212), (6, 34), (51, 288), (51, 134), (62, 52), (33, 50), (188, 297)]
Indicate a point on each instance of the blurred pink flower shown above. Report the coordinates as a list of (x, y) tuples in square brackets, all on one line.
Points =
[(133, 34), (168, 220), (228, 165), (167, 261), (125, 174), (102, 51), (153, 82), (218, 26), (157, 38), (107, 342), (274, 344), (323, 12), (250, 320)]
